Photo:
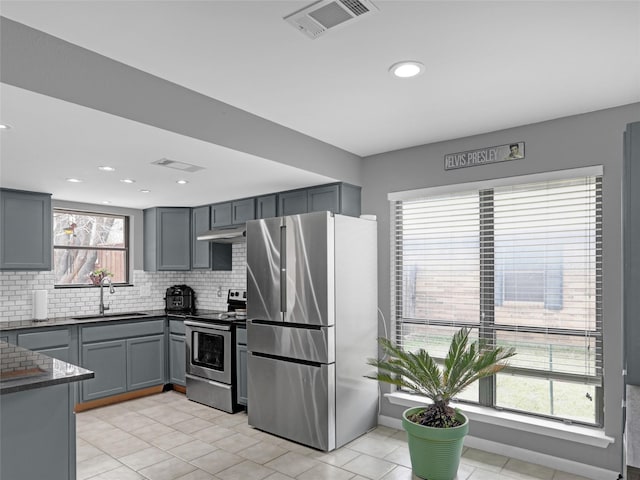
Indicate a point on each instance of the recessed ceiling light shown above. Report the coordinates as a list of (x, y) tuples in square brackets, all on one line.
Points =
[(106, 168), (106, 202), (406, 69), (144, 190), (128, 180), (74, 180), (182, 182), (4, 126)]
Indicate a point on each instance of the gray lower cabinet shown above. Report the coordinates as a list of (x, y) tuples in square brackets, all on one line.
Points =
[(38, 434), (108, 360), (25, 230), (125, 356), (241, 365), (56, 343), (177, 353), (177, 361), (145, 362), (167, 239)]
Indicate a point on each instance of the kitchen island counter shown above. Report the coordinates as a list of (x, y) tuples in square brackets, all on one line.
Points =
[(37, 423), (22, 369)]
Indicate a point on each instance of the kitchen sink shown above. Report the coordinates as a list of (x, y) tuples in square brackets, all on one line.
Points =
[(112, 316)]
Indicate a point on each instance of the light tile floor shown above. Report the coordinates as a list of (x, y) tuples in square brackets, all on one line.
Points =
[(167, 437)]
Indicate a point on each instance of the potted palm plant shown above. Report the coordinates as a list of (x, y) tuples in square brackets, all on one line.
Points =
[(436, 432)]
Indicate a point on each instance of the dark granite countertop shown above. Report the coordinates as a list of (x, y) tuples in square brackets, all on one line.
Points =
[(116, 317), (22, 369), (81, 319)]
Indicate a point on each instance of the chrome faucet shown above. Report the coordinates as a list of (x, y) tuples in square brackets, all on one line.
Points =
[(111, 291)]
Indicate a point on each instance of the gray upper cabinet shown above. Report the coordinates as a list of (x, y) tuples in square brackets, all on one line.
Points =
[(324, 199), (267, 206), (170, 233), (336, 198), (167, 238), (293, 203), (221, 215), (200, 250), (25, 230), (232, 213), (341, 198), (350, 200), (243, 211), (206, 255)]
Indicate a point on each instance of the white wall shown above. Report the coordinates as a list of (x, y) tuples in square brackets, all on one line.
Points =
[(146, 292), (572, 142)]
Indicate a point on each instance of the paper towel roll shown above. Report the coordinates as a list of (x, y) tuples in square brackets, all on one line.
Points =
[(40, 304)]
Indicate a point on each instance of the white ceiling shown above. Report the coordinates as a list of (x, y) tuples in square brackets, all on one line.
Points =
[(489, 66)]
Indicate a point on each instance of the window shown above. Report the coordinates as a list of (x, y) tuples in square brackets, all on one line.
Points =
[(87, 242), (521, 265)]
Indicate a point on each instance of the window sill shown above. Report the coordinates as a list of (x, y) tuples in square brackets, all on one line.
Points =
[(573, 433)]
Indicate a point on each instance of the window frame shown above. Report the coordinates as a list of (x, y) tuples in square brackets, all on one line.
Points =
[(485, 325), (126, 249)]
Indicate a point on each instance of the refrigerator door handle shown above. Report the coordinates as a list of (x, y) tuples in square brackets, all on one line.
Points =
[(290, 360), (283, 269)]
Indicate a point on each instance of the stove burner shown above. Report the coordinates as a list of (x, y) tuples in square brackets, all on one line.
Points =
[(236, 310)]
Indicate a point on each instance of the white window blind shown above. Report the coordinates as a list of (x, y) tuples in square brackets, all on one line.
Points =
[(521, 265)]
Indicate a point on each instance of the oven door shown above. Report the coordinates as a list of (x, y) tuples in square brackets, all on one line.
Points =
[(209, 350)]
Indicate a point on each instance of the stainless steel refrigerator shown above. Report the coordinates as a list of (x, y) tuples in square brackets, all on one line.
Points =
[(311, 326)]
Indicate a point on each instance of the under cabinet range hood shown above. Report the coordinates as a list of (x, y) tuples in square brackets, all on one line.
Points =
[(234, 234)]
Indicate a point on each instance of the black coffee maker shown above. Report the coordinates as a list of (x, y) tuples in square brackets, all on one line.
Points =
[(180, 299)]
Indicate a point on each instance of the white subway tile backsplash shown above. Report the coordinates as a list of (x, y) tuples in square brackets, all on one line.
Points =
[(147, 292)]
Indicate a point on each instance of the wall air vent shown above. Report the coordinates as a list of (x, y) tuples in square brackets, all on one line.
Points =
[(324, 15)]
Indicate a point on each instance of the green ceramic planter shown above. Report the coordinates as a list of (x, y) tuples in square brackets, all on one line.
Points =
[(435, 452)]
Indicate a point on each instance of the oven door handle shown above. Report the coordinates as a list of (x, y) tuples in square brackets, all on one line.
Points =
[(207, 325)]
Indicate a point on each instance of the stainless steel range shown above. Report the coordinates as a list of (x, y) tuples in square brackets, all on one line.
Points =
[(211, 354)]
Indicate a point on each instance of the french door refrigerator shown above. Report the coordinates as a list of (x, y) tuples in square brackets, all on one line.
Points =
[(311, 326)]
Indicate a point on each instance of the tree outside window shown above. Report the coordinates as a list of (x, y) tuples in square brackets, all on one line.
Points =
[(89, 246)]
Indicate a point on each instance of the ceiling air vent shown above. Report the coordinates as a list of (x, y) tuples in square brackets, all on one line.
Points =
[(321, 16), (185, 167)]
